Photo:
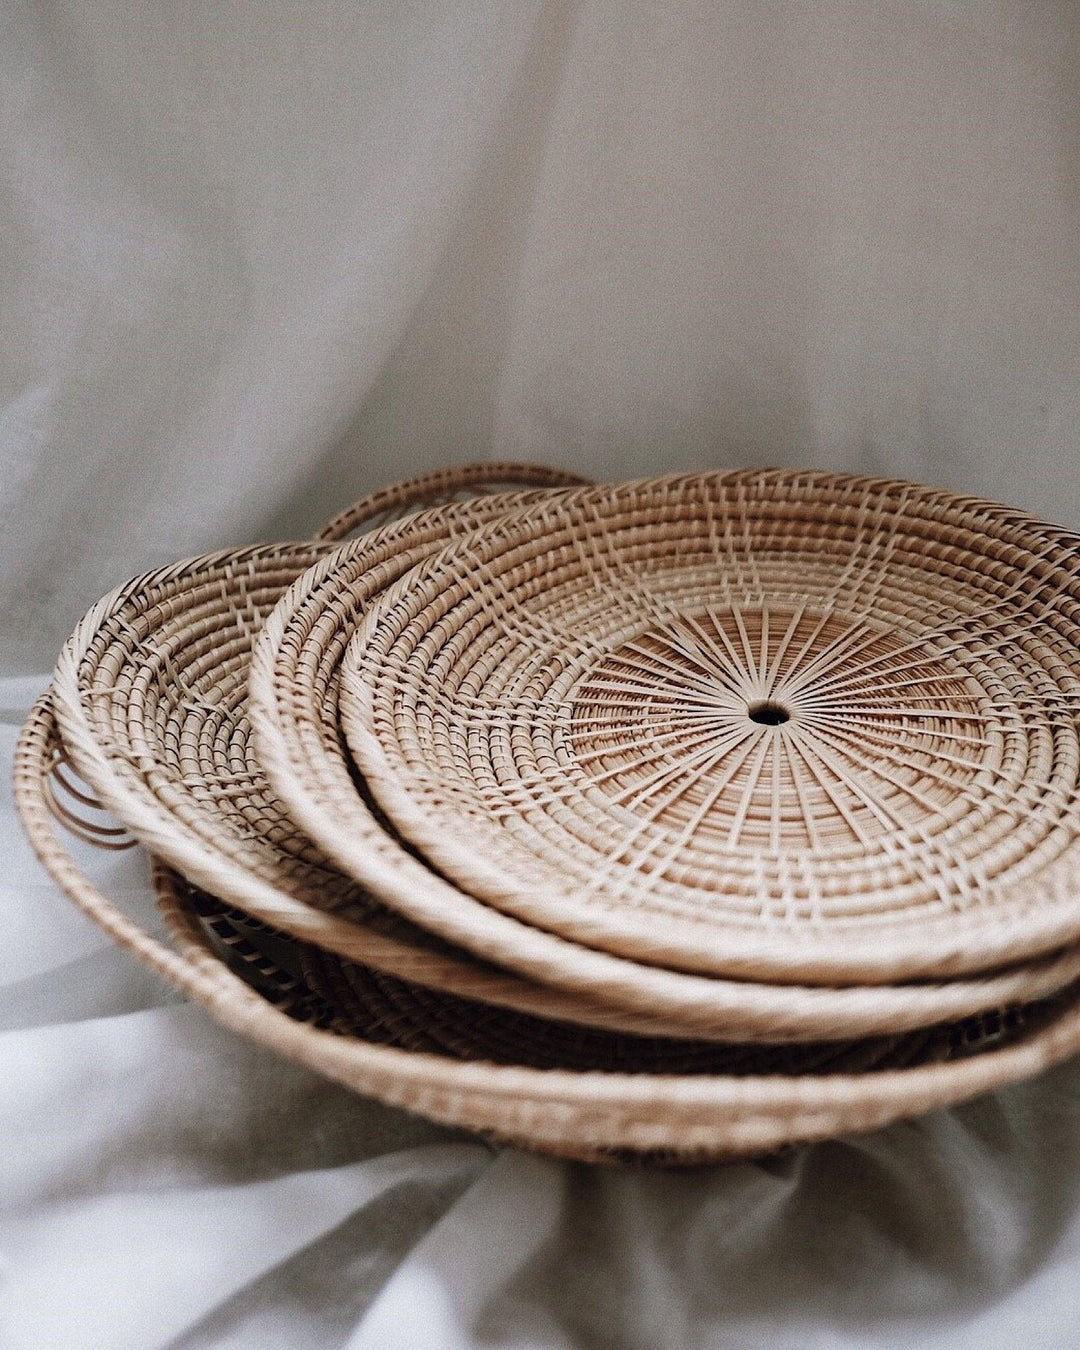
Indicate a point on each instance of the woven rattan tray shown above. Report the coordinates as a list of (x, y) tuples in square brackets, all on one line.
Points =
[(590, 1115), (294, 683), (151, 691), (779, 725)]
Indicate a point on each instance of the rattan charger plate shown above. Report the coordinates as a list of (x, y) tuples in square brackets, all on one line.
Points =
[(150, 693), (769, 724), (293, 712), (594, 1116)]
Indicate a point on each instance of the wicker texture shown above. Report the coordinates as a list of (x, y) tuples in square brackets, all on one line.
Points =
[(294, 685), (151, 693), (648, 778), (592, 1116), (312, 985), (776, 725)]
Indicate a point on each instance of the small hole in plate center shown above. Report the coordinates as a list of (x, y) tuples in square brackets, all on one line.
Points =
[(768, 714)]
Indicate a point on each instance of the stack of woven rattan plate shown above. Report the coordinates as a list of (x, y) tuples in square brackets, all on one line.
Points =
[(677, 819)]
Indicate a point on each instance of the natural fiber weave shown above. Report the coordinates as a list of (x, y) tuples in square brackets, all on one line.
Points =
[(153, 687), (770, 724), (151, 691), (294, 682), (312, 985), (587, 1115)]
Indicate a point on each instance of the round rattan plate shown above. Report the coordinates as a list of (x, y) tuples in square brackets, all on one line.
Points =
[(151, 693), (293, 712), (589, 1115), (781, 725)]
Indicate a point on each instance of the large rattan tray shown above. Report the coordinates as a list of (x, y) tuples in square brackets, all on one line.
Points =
[(589, 1115), (768, 724)]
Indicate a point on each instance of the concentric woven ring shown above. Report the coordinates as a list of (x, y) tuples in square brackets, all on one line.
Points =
[(293, 710), (770, 724)]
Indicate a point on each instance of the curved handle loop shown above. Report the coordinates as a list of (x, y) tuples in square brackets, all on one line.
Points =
[(68, 803), (441, 485), (35, 758)]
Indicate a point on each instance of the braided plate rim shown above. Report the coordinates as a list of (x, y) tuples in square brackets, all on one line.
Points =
[(772, 724)]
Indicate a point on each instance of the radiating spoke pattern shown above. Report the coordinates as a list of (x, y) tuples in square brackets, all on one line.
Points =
[(724, 713), (773, 728)]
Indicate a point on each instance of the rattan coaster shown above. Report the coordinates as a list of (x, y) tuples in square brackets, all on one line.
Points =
[(778, 725), (293, 711), (593, 1116)]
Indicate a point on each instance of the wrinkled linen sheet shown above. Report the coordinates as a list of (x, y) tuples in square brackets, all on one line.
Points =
[(258, 257)]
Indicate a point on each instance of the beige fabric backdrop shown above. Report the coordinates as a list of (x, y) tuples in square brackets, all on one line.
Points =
[(260, 255), (256, 256)]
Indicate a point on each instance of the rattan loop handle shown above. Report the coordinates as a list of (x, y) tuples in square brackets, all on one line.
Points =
[(441, 485), (53, 782), (32, 766)]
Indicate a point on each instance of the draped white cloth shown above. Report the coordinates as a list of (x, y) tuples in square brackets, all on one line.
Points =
[(256, 257)]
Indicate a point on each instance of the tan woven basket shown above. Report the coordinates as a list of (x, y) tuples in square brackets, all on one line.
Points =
[(587, 1115), (294, 681), (77, 809), (152, 692), (774, 725)]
